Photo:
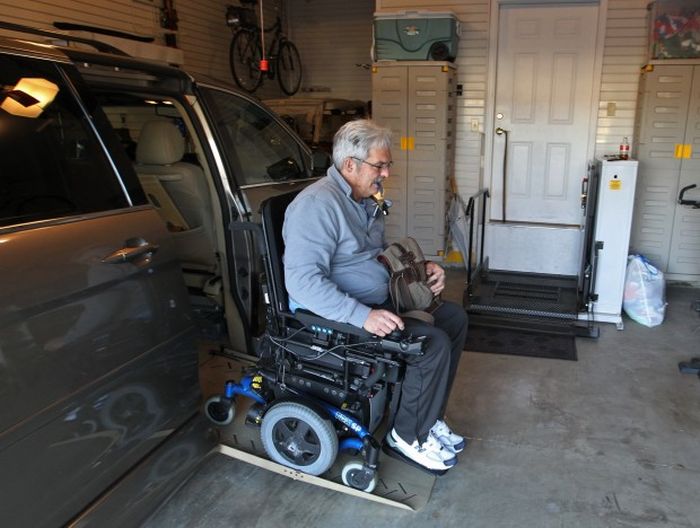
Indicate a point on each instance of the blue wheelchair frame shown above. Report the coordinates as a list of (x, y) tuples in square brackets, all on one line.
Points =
[(363, 436)]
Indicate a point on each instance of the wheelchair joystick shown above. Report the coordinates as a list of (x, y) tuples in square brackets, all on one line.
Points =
[(399, 341), (396, 334)]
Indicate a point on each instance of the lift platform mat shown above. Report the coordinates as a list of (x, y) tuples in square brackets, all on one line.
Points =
[(526, 294), (520, 343), (399, 484)]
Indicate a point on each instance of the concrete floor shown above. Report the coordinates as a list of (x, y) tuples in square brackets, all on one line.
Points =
[(612, 440)]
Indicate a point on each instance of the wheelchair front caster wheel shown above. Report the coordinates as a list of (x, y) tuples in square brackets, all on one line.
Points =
[(220, 410), (358, 476)]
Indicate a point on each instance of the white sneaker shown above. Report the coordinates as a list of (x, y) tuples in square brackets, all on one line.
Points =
[(430, 454), (451, 441)]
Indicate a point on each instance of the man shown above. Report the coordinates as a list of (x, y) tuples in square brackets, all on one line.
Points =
[(333, 235)]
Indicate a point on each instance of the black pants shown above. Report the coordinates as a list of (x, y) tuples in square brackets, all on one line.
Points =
[(429, 378)]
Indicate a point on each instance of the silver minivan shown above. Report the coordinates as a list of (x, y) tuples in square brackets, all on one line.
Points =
[(127, 192)]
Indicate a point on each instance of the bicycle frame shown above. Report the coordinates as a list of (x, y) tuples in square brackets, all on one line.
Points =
[(250, 58)]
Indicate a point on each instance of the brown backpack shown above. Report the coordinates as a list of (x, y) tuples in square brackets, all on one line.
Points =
[(408, 287)]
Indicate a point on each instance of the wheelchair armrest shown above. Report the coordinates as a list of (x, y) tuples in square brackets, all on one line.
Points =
[(399, 343)]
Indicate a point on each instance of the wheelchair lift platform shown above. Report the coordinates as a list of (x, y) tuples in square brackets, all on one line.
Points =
[(526, 301), (399, 485)]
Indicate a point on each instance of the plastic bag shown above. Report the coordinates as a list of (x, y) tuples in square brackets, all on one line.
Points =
[(644, 298)]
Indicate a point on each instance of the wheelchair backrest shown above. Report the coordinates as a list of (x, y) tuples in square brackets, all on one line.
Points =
[(272, 211)]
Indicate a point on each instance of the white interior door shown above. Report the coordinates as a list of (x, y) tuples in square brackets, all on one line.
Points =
[(544, 100)]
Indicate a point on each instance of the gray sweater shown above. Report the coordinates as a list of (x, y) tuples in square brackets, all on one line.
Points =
[(331, 247)]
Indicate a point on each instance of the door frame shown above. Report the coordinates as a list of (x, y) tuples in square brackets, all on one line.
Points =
[(490, 117)]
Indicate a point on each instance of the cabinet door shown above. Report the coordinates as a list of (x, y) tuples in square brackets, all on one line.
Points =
[(430, 110), (665, 94), (390, 109), (684, 257)]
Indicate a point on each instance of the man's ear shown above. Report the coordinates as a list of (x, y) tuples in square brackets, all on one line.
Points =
[(348, 165)]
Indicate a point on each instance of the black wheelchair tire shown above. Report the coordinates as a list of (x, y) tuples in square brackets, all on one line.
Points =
[(220, 410), (296, 436)]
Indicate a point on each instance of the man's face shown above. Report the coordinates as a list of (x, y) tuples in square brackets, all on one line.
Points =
[(364, 176)]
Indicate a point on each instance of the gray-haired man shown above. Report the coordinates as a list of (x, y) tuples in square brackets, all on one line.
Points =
[(332, 236)]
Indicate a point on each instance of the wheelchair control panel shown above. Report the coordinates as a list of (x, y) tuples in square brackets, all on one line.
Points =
[(326, 331)]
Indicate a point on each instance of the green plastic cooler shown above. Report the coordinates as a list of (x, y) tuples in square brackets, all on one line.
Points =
[(416, 35)]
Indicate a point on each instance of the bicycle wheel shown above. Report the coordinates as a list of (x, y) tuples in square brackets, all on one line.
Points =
[(288, 67), (244, 58)]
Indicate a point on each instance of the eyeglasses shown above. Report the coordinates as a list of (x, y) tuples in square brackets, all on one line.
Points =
[(379, 166)]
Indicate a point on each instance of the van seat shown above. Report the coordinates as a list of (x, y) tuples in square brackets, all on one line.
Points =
[(178, 190)]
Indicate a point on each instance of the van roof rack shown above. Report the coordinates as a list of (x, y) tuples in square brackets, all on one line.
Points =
[(99, 46)]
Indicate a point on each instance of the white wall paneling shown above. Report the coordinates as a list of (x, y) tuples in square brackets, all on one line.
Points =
[(333, 36)]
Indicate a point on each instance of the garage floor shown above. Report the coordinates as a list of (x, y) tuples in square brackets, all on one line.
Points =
[(612, 440)]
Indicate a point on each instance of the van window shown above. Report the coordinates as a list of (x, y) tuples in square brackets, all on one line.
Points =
[(51, 165), (257, 146)]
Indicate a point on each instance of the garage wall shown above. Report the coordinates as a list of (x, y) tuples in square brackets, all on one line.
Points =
[(624, 52), (124, 15), (332, 37), (202, 32)]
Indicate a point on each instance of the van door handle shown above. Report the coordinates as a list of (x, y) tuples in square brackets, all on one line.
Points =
[(134, 249)]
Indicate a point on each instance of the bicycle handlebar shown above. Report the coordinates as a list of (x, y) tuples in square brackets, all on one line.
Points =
[(682, 201)]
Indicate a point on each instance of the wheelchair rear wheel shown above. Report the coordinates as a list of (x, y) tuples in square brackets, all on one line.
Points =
[(296, 436)]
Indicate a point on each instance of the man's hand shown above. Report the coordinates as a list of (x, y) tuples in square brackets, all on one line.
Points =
[(382, 322), (436, 277)]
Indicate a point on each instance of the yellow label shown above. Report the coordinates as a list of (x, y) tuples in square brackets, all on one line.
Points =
[(687, 151), (615, 185), (411, 143), (403, 142)]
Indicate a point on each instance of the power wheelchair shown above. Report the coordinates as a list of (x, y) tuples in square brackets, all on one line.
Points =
[(319, 386)]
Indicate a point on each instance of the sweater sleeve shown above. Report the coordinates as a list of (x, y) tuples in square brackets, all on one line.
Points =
[(311, 233)]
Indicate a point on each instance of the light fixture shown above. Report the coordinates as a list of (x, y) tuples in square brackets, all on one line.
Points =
[(29, 97)]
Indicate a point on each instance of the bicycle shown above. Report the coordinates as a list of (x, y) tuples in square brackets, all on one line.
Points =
[(245, 52)]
